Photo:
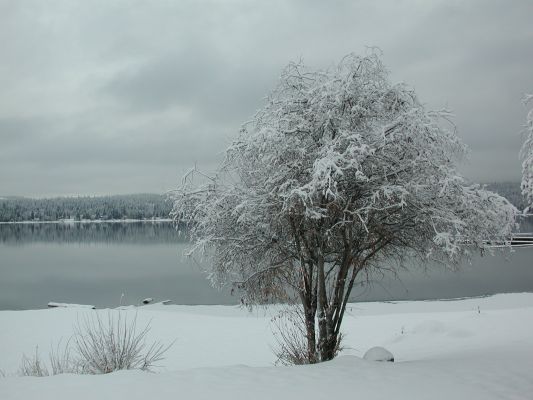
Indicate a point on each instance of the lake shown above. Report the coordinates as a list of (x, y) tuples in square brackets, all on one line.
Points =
[(109, 264)]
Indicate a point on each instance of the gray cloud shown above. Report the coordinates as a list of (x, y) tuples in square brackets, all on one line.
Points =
[(199, 79), (115, 97)]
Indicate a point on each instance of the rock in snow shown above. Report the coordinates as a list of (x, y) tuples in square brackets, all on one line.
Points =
[(378, 354)]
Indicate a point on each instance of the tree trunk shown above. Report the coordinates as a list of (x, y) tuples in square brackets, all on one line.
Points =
[(327, 339), (323, 334), (311, 337), (309, 316)]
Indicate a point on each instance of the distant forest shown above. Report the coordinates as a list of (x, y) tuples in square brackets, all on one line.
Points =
[(134, 206), (137, 206)]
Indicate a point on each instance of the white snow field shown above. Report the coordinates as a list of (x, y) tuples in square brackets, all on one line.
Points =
[(480, 348)]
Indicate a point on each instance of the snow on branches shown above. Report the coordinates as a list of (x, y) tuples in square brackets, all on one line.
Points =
[(338, 172), (526, 154)]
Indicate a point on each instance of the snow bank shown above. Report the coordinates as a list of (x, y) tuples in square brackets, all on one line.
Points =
[(465, 349)]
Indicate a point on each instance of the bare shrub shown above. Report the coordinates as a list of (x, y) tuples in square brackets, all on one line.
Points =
[(59, 362), (109, 344), (33, 366), (99, 346), (291, 338)]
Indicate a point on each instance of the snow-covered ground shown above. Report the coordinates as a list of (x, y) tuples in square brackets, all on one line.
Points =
[(478, 348)]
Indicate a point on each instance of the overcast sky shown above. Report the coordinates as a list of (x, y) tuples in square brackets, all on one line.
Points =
[(105, 97)]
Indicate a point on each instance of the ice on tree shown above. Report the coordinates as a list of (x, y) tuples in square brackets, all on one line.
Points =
[(341, 175), (526, 154)]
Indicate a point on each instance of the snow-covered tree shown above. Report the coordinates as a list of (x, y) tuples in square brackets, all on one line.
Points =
[(526, 153), (339, 176)]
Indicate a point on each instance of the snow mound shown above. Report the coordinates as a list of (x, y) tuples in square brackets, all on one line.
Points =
[(378, 354)]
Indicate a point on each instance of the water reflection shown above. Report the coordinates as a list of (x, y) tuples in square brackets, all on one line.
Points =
[(503, 272), (95, 232), (97, 263)]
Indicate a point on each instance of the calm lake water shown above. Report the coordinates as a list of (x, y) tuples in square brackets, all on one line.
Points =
[(95, 263)]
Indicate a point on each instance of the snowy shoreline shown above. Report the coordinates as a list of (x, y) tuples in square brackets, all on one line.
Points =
[(475, 348), (169, 302)]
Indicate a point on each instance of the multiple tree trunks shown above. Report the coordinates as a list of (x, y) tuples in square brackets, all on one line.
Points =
[(340, 176)]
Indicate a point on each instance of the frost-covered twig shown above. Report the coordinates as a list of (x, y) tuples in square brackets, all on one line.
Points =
[(526, 154)]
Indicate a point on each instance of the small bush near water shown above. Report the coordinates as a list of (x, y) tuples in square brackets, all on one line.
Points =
[(99, 346), (107, 346)]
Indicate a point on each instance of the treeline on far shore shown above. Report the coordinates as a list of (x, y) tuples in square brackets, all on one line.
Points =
[(137, 206), (133, 206)]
